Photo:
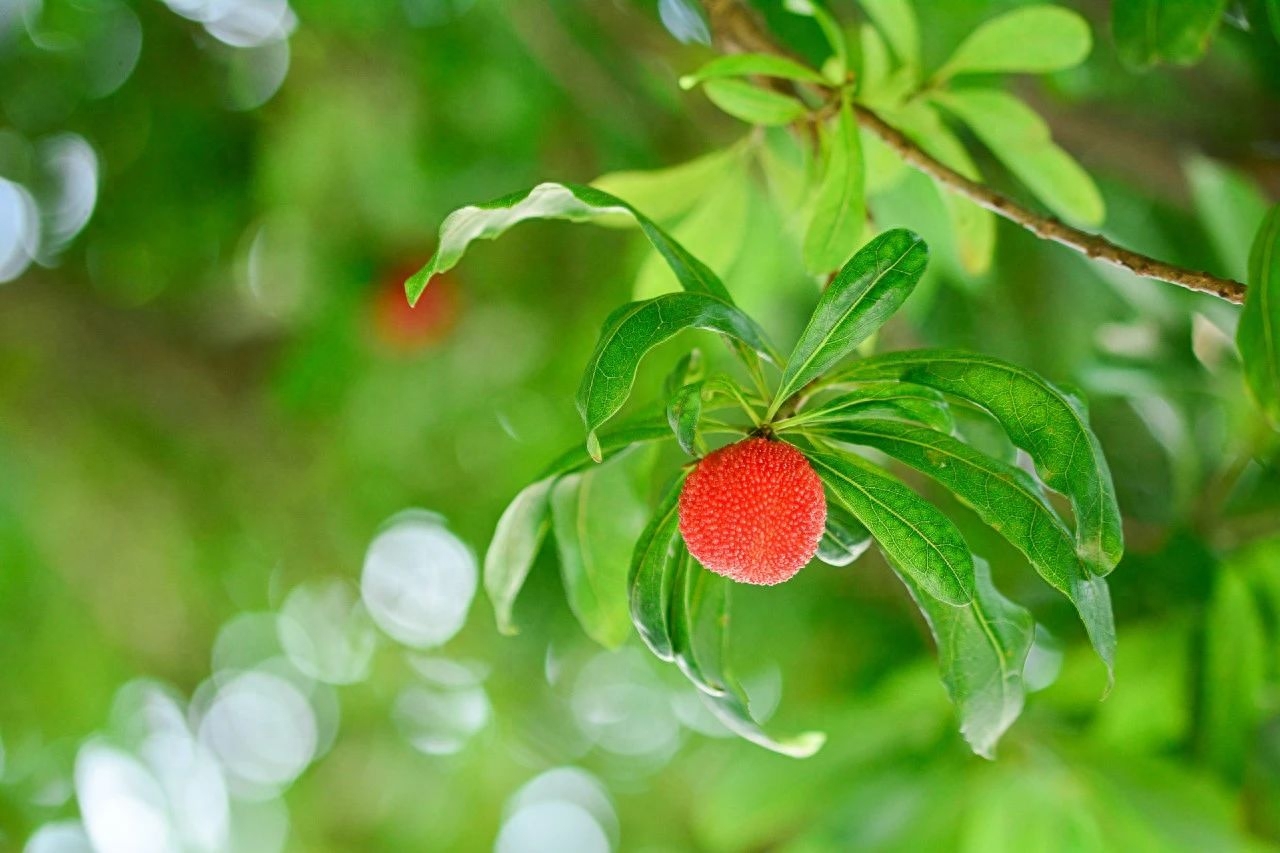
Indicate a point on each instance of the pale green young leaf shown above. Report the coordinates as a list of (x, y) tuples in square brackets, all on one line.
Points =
[(1259, 333), (666, 194), (844, 538), (896, 20), (1020, 139), (1149, 32), (1006, 498), (653, 568), (513, 548), (1235, 674), (715, 228), (752, 65), (911, 532), (753, 104), (1038, 418), (1028, 40), (900, 400), (982, 648), (869, 288), (839, 213), (1229, 206)]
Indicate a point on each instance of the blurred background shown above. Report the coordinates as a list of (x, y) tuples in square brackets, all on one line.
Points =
[(243, 487)]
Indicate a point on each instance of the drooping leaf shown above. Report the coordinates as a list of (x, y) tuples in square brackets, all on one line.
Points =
[(1148, 32), (1259, 333), (665, 194), (896, 20), (912, 533), (844, 539), (1229, 205), (1027, 40), (571, 202), (753, 104), (752, 65), (1235, 674), (634, 329), (1020, 139), (869, 288), (515, 544), (1006, 498), (613, 442), (683, 413), (1040, 419), (596, 516), (653, 568), (884, 399), (692, 594), (839, 214), (981, 651)]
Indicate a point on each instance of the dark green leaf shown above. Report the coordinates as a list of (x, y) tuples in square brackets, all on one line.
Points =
[(870, 287), (752, 65), (1038, 418), (632, 330), (572, 202), (981, 651), (683, 413), (1148, 32), (839, 214), (883, 399), (1031, 39), (1273, 12), (688, 369), (514, 547), (844, 539), (653, 569), (1006, 498), (1259, 334), (913, 533), (1235, 674), (753, 104), (695, 637), (831, 31)]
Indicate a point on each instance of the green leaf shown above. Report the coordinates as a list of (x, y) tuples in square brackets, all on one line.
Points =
[(1259, 333), (880, 399), (752, 65), (911, 532), (515, 544), (1229, 205), (683, 413), (1038, 418), (840, 214), (653, 568), (1009, 501), (831, 31), (1029, 40), (1235, 674), (665, 194), (869, 288), (1273, 12), (634, 329), (1021, 141), (896, 20), (844, 539), (613, 442), (982, 648), (696, 592), (689, 369), (1148, 32), (597, 516), (716, 228), (571, 202), (753, 104)]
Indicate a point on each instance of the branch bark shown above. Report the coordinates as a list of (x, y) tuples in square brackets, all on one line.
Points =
[(735, 29)]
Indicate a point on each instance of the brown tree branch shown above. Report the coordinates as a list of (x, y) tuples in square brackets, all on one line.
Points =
[(736, 29)]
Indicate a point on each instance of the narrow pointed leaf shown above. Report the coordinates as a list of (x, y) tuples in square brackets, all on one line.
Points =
[(1038, 418), (753, 104), (665, 194), (1031, 40), (632, 330), (869, 288), (831, 31), (901, 400), (683, 413), (515, 544), (1006, 498), (1149, 32), (913, 533), (571, 202), (896, 20), (1259, 333), (752, 65), (844, 539), (840, 214), (691, 593), (982, 648), (653, 568), (611, 443)]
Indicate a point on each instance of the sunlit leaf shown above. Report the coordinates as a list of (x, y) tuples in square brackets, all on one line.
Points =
[(1020, 139), (883, 399), (1148, 32), (665, 194), (831, 31), (896, 20), (515, 544), (1040, 419), (634, 329), (1030, 40), (752, 65), (839, 214), (753, 104), (715, 228), (912, 533), (653, 569), (844, 539), (870, 287), (1259, 333)]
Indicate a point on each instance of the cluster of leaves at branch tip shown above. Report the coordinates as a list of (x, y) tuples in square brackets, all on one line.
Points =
[(626, 564)]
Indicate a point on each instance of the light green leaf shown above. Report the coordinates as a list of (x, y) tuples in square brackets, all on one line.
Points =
[(1235, 674), (613, 442), (652, 576), (912, 533), (752, 65), (882, 399), (1038, 418), (982, 648), (831, 31), (844, 539), (716, 228), (896, 19), (875, 67), (515, 544), (1021, 141), (1259, 333), (753, 104), (683, 413), (1028, 40), (840, 214), (870, 287), (1229, 205), (634, 329), (596, 516), (571, 202), (1148, 32), (666, 194), (1006, 498)]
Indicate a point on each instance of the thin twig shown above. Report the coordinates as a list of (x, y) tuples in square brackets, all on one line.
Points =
[(735, 29)]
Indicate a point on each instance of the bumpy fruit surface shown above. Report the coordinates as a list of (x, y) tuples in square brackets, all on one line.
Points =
[(753, 511)]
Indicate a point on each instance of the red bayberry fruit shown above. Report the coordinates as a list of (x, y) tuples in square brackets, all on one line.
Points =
[(753, 511), (402, 329)]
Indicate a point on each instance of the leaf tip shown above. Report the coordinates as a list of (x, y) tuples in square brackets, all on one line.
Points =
[(416, 283), (593, 447), (687, 81)]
